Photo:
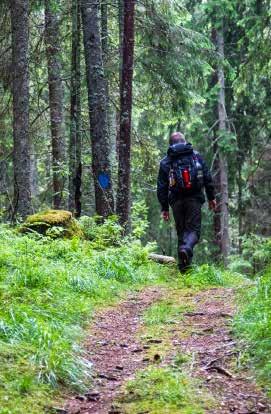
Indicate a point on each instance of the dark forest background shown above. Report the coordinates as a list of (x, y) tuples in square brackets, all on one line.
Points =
[(66, 140)]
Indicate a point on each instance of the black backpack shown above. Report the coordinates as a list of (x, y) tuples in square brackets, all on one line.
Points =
[(186, 174)]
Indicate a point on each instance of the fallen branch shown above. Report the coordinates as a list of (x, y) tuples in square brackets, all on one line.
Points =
[(162, 259), (220, 370)]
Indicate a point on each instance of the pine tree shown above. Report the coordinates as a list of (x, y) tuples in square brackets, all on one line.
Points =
[(75, 147), (20, 90), (124, 172), (97, 99), (53, 47)]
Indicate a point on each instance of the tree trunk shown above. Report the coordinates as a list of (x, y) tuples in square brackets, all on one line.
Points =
[(20, 90), (101, 166), (52, 40), (221, 218), (75, 164), (121, 22), (123, 194)]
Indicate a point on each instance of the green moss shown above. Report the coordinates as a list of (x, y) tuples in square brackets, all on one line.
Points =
[(53, 223), (163, 390)]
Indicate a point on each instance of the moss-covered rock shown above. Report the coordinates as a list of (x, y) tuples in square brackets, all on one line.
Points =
[(53, 223)]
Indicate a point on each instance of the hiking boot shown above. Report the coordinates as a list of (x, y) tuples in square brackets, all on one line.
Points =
[(185, 260)]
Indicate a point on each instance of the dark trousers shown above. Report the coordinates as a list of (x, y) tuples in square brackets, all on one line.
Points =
[(187, 216)]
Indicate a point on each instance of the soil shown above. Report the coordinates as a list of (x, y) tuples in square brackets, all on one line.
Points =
[(217, 355), (114, 351), (117, 354)]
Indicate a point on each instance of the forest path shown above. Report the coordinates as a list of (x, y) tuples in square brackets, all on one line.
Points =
[(119, 345), (115, 352)]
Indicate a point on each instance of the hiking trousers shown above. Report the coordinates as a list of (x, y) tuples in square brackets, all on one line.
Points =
[(187, 216)]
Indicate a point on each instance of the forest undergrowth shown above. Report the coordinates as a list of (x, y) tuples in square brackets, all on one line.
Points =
[(50, 289)]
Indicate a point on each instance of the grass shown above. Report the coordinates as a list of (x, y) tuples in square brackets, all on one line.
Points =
[(49, 290), (253, 326), (166, 390)]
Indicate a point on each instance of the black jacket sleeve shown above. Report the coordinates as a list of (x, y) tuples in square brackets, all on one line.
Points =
[(162, 188), (208, 181)]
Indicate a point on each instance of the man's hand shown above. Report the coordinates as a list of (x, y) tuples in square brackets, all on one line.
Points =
[(213, 205), (165, 215)]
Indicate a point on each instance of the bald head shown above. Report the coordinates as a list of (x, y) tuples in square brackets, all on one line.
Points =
[(177, 138)]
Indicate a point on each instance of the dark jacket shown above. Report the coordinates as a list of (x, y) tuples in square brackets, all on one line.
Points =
[(165, 196)]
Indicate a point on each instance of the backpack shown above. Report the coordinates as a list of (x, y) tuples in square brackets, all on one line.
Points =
[(186, 174)]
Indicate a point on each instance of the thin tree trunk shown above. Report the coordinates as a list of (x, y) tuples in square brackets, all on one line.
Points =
[(52, 39), (123, 194), (101, 166), (75, 164), (121, 22), (20, 90), (104, 38), (221, 218)]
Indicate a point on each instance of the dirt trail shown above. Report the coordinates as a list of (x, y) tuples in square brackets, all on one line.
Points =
[(216, 355), (116, 353)]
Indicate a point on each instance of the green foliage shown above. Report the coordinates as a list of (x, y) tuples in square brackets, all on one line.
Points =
[(139, 219), (101, 234), (253, 325), (256, 255)]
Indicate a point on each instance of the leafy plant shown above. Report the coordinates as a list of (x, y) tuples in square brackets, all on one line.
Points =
[(102, 234)]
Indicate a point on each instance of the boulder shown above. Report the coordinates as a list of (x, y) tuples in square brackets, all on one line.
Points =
[(53, 223)]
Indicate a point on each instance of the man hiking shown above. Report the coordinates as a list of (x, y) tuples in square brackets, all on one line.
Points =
[(182, 176)]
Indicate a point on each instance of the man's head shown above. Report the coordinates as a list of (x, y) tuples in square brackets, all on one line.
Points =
[(177, 138)]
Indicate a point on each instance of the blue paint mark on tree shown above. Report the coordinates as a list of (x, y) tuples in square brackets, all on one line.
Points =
[(104, 180)]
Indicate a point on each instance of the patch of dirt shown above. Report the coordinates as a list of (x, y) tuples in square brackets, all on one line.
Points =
[(116, 354), (215, 355)]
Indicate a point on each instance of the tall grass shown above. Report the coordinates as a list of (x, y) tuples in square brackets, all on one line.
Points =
[(253, 324), (48, 291)]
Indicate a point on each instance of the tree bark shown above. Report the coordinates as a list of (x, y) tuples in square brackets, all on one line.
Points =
[(53, 47), (101, 166), (20, 90), (123, 194), (121, 23), (221, 218), (75, 163)]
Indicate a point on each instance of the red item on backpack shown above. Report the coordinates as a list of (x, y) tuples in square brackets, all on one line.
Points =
[(186, 179)]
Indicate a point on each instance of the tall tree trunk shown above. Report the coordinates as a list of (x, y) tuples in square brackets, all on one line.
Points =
[(52, 40), (20, 90), (121, 23), (221, 218), (75, 164), (104, 34), (123, 194), (101, 166)]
